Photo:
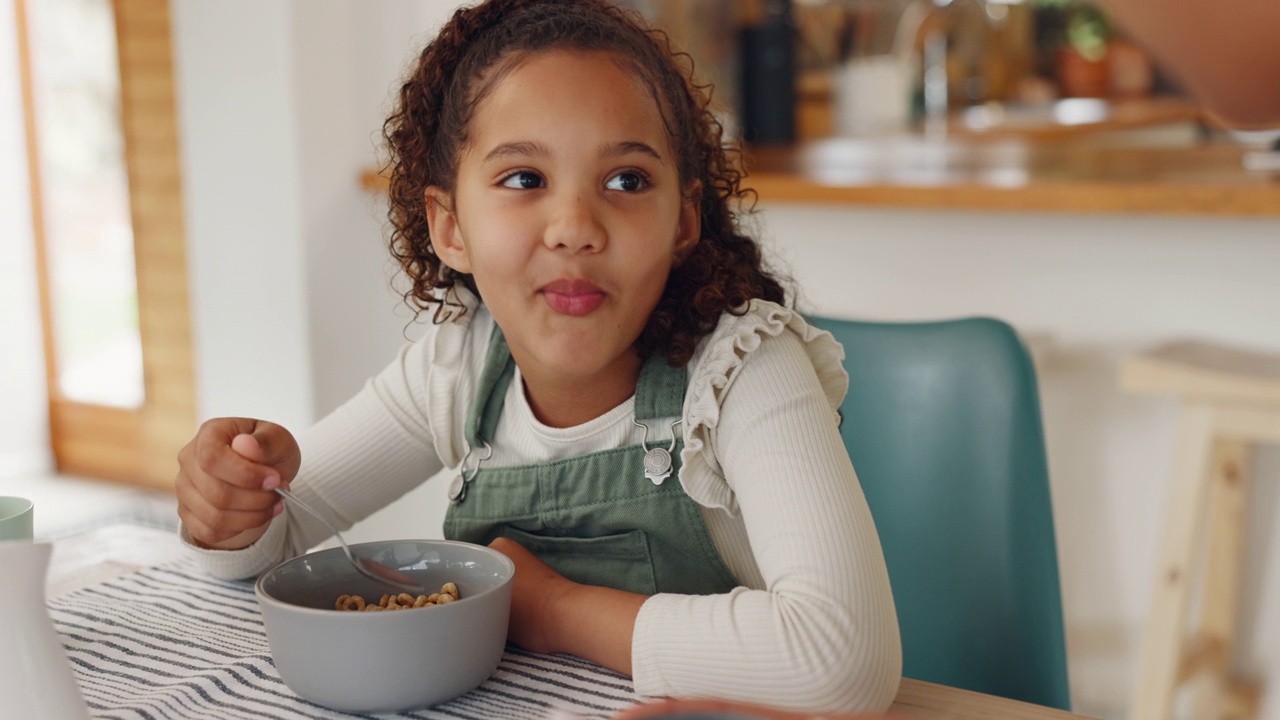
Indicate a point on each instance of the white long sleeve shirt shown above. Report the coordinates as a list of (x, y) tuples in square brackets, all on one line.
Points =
[(812, 624)]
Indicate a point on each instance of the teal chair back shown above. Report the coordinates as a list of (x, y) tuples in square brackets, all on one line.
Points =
[(942, 421)]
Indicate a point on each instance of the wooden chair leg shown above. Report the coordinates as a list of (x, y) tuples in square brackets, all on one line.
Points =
[(1165, 632), (1243, 700), (1229, 489)]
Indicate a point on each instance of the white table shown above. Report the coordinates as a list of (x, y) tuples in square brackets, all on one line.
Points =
[(150, 635)]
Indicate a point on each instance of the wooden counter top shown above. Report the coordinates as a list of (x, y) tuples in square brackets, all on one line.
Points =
[(1017, 175)]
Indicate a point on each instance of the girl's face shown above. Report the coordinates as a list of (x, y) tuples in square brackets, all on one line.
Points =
[(569, 214)]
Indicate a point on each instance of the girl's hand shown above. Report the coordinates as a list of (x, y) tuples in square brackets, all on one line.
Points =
[(694, 708), (553, 614), (226, 480), (535, 597)]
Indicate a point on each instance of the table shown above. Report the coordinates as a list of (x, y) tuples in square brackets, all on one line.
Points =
[(151, 635)]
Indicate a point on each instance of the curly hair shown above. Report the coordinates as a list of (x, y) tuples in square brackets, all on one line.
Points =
[(473, 51)]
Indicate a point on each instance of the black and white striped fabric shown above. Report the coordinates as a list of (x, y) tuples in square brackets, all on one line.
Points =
[(172, 642)]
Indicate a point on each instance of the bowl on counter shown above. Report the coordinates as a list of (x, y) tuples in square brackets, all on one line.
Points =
[(387, 661)]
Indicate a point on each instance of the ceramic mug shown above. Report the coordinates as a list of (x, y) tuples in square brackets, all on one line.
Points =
[(873, 95), (16, 518)]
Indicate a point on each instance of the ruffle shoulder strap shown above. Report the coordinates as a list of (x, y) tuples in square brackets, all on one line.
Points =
[(718, 362)]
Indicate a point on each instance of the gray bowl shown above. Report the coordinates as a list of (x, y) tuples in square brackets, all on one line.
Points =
[(387, 661)]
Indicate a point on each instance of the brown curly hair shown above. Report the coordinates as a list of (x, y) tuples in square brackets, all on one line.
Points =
[(480, 45)]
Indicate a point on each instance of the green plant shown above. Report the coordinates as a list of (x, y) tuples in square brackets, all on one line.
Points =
[(1081, 26), (1088, 31)]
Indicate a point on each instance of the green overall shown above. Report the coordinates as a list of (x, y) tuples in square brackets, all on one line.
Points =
[(596, 519)]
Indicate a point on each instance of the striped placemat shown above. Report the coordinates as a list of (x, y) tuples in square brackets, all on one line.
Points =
[(172, 642)]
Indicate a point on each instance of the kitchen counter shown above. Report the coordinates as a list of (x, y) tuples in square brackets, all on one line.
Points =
[(1075, 156), (1017, 175)]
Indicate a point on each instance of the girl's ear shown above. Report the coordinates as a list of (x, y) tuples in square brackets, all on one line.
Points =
[(446, 236), (689, 230)]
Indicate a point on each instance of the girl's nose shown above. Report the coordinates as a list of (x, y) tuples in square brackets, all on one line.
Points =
[(575, 227)]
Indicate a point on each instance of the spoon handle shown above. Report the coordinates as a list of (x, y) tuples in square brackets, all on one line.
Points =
[(367, 566), (294, 499)]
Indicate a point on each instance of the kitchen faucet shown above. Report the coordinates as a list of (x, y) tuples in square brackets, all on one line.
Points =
[(931, 26)]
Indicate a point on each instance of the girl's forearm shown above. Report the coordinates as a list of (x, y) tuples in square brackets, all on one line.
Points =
[(596, 623)]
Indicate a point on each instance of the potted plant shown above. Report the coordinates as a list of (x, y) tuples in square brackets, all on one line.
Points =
[(1077, 37)]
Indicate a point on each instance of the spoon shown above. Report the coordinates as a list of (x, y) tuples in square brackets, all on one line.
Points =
[(367, 566)]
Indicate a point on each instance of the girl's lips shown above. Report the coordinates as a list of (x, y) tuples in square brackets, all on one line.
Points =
[(572, 297)]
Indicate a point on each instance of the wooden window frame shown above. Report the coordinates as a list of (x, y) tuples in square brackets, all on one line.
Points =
[(134, 446)]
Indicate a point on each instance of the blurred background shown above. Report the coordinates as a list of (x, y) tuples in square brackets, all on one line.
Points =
[(192, 225)]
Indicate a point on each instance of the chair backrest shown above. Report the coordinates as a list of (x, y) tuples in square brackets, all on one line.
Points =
[(943, 424)]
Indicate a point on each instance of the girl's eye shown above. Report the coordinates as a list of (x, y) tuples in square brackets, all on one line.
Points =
[(629, 181), (522, 180)]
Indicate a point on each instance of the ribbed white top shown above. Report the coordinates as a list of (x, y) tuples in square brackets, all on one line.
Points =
[(813, 625)]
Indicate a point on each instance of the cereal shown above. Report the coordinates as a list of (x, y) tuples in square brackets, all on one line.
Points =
[(349, 602), (401, 601)]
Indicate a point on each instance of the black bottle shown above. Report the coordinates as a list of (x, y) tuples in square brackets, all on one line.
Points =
[(768, 87)]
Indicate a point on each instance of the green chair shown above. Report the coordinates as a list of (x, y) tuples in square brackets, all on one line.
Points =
[(943, 424)]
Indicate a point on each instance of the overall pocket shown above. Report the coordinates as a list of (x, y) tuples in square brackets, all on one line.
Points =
[(618, 561)]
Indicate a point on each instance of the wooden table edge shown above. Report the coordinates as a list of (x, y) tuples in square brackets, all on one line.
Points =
[(917, 698)]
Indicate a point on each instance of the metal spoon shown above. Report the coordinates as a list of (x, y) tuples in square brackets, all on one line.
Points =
[(367, 566)]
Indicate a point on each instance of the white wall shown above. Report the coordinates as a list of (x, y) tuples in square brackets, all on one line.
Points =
[(348, 63), (281, 104), (1094, 288), (234, 64), (24, 426)]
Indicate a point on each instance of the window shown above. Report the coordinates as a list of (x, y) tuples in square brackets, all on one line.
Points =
[(107, 211)]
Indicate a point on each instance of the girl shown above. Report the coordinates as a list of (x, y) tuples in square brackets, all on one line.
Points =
[(635, 418)]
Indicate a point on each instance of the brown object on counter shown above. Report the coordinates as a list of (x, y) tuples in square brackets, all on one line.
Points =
[(1081, 76), (1131, 72)]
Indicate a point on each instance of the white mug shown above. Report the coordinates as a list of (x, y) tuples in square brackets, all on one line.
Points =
[(16, 518), (873, 95)]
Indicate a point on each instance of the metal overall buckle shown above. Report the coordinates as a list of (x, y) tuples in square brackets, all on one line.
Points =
[(458, 488), (657, 461)]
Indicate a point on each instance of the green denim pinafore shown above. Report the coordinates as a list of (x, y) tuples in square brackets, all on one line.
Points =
[(597, 519)]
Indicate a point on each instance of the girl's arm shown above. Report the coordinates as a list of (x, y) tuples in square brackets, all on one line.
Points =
[(365, 454), (823, 634)]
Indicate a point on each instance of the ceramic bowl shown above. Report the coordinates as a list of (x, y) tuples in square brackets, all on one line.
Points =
[(387, 661)]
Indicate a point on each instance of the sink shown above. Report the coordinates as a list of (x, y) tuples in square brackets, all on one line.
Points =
[(1144, 122), (997, 144), (1072, 111), (915, 159)]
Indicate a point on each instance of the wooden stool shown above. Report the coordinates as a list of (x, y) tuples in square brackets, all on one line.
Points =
[(1230, 402)]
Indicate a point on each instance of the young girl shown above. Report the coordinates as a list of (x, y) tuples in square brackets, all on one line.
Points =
[(633, 415)]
